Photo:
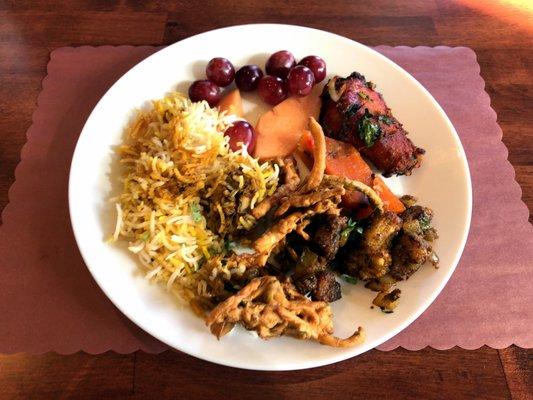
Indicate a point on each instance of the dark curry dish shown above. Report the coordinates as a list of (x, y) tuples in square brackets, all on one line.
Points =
[(311, 239)]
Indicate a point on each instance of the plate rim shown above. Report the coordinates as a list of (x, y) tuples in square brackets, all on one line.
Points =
[(300, 364)]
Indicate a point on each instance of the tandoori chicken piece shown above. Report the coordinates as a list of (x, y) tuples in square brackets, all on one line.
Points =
[(352, 111)]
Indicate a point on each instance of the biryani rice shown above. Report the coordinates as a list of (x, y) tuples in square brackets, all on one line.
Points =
[(185, 192)]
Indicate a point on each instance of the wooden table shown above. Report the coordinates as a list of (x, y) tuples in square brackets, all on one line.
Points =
[(501, 34)]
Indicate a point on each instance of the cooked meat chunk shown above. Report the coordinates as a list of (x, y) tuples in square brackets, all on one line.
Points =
[(310, 262), (381, 231), (306, 271), (412, 248), (367, 265), (393, 247), (416, 213), (306, 283), (328, 234), (352, 111), (372, 258), (408, 254), (327, 288), (387, 301), (408, 200), (417, 221)]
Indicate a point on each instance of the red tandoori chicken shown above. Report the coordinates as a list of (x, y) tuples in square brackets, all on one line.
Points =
[(352, 111)]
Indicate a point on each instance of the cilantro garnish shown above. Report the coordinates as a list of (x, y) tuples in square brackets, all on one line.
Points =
[(196, 213), (369, 131), (350, 227), (424, 222), (349, 279), (228, 245)]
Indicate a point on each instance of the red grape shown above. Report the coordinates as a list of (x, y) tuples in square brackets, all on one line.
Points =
[(315, 64), (220, 71), (301, 80), (280, 63), (241, 132), (272, 89), (205, 90), (247, 77)]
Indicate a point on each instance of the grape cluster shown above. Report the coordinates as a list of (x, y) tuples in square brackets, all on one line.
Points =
[(283, 77)]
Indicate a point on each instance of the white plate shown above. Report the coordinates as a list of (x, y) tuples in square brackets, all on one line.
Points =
[(442, 183)]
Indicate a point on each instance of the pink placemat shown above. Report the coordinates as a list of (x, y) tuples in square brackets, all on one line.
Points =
[(48, 300)]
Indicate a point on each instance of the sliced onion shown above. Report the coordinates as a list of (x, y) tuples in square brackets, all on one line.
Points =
[(333, 93)]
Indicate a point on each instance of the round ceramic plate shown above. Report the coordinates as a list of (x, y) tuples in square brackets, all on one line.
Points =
[(442, 183)]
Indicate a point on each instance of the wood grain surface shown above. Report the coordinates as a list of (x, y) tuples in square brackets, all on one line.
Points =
[(501, 34)]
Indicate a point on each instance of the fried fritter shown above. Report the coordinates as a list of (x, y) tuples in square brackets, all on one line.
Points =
[(273, 309)]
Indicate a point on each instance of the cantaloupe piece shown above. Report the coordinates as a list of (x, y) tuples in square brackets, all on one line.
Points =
[(343, 159), (279, 130), (232, 103), (390, 201)]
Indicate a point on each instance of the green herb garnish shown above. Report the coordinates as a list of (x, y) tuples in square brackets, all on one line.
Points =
[(369, 131), (196, 213), (229, 245), (386, 120), (349, 279), (424, 222), (363, 95), (350, 227)]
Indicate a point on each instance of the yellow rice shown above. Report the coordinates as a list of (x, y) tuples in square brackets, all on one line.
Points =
[(175, 157)]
